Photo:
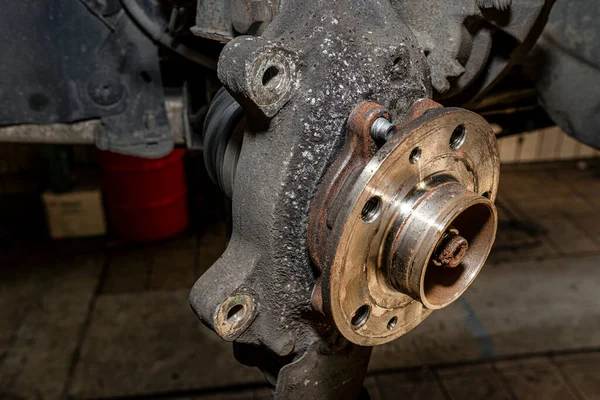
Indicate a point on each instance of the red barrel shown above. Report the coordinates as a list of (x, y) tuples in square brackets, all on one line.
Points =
[(146, 199)]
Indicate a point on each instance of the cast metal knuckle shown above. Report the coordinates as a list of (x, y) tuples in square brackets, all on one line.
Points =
[(234, 315), (360, 205), (268, 77)]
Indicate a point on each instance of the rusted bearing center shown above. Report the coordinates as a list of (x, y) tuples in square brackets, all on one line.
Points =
[(438, 244), (451, 250), (413, 228)]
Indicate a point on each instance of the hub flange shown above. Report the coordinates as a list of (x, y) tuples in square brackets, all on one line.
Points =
[(410, 227)]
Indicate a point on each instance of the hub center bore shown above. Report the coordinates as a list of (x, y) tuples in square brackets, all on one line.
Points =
[(430, 260)]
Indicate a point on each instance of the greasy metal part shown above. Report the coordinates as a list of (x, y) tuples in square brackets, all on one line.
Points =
[(378, 219), (457, 37)]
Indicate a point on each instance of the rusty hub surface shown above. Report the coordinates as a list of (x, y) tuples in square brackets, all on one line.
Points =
[(402, 230), (451, 250)]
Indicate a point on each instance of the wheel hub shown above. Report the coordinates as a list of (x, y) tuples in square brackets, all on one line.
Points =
[(415, 228)]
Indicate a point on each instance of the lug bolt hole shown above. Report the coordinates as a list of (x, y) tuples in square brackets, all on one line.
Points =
[(458, 137), (360, 316), (392, 323), (415, 155), (371, 209)]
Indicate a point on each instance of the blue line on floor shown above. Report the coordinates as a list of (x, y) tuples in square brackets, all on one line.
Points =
[(486, 345)]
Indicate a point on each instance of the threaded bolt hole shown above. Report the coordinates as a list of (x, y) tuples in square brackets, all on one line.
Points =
[(458, 137), (360, 316), (371, 209), (392, 323), (415, 155)]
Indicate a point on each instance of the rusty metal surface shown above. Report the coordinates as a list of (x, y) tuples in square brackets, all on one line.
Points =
[(451, 250), (352, 158), (351, 250), (357, 151)]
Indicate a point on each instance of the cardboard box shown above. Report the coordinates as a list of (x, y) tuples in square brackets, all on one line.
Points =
[(79, 213)]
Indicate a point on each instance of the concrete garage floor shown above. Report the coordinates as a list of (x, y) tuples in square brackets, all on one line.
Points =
[(83, 320)]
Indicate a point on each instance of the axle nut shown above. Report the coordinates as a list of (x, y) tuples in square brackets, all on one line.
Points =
[(451, 250)]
